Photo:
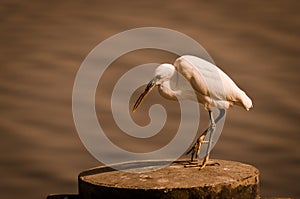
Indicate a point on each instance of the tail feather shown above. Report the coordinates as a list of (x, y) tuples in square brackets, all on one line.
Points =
[(246, 101)]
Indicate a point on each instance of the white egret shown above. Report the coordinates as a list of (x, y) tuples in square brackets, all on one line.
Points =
[(201, 79)]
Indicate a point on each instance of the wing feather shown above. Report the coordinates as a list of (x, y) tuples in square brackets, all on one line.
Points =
[(212, 86)]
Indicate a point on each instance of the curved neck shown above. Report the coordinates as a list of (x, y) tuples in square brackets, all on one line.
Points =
[(166, 91)]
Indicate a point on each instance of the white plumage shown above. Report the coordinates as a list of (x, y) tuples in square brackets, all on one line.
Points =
[(213, 88)]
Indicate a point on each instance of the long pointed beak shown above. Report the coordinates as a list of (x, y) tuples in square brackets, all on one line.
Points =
[(139, 101)]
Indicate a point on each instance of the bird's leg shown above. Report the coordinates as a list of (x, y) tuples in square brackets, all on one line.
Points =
[(199, 144), (200, 140), (211, 128), (195, 150), (192, 151), (206, 162)]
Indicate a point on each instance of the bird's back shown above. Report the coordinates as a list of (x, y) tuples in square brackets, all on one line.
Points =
[(212, 86)]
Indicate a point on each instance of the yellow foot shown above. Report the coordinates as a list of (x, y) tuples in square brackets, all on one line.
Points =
[(193, 164), (201, 165), (210, 163)]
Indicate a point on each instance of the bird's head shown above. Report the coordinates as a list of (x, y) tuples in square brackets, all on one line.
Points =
[(162, 73)]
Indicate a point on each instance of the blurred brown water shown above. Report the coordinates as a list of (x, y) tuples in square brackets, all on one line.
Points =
[(43, 44)]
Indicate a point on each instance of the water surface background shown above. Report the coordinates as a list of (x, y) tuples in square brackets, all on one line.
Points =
[(43, 44)]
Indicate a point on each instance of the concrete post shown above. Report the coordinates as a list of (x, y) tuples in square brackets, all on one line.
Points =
[(227, 180)]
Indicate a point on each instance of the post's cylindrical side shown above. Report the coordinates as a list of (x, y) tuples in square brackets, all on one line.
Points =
[(227, 180)]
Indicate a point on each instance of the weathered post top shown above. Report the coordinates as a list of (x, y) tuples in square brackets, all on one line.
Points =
[(227, 180)]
